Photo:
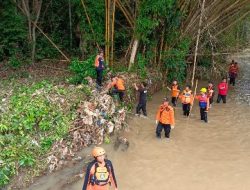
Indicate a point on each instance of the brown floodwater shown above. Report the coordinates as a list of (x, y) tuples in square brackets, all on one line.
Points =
[(199, 156)]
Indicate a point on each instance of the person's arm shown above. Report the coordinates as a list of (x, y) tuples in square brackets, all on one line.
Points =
[(112, 176), (136, 87), (172, 119), (87, 177), (158, 115), (207, 104)]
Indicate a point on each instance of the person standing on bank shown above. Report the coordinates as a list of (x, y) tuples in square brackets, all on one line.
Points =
[(100, 172), (223, 89), (99, 67), (142, 98), (165, 119)]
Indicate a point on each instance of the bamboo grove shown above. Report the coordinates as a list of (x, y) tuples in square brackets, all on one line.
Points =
[(163, 33)]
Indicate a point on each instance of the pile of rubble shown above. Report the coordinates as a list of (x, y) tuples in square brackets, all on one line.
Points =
[(96, 119)]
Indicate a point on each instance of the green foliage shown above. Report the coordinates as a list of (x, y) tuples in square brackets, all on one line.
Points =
[(13, 35), (14, 62), (82, 69), (175, 61), (32, 120), (140, 67)]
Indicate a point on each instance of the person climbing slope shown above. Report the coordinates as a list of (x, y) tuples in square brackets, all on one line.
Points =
[(175, 90), (203, 103), (187, 99), (142, 98), (99, 67), (210, 93), (222, 91), (118, 87), (165, 119), (100, 172)]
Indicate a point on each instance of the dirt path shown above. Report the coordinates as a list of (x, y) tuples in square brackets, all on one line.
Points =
[(199, 156)]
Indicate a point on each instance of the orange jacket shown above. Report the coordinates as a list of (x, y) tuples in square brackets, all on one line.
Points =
[(165, 115), (119, 84), (100, 187), (187, 97), (175, 90)]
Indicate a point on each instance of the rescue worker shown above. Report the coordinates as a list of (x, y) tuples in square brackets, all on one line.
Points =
[(142, 98), (187, 99), (210, 93), (164, 119), (232, 73), (222, 91), (118, 87), (99, 67), (175, 90), (100, 172), (203, 103)]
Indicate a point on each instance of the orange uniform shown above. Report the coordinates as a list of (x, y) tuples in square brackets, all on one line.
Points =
[(99, 176), (165, 115), (175, 90), (119, 84), (187, 97)]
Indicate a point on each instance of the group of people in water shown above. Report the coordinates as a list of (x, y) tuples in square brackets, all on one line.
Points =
[(100, 173)]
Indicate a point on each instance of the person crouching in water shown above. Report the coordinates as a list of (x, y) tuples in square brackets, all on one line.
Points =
[(100, 172), (118, 87), (164, 119), (210, 93), (187, 100), (203, 103), (142, 98), (175, 90)]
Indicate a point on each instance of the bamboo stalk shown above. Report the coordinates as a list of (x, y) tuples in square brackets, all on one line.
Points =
[(195, 91), (197, 42), (46, 37), (91, 28), (112, 34)]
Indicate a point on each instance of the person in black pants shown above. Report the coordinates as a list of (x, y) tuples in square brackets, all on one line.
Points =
[(164, 119), (99, 67), (142, 98)]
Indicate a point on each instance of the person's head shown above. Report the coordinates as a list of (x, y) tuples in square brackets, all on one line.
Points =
[(188, 87), (113, 77), (203, 91), (224, 79), (144, 84), (174, 82), (99, 154), (233, 61), (101, 53), (165, 101), (236, 63), (210, 84)]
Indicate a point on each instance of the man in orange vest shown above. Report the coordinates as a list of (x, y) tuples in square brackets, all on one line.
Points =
[(164, 119), (203, 103), (187, 100), (175, 90), (118, 87), (99, 67), (100, 172)]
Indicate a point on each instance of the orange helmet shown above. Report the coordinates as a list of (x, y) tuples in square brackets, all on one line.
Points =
[(98, 151)]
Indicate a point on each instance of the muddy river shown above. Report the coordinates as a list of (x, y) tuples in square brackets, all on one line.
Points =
[(199, 156)]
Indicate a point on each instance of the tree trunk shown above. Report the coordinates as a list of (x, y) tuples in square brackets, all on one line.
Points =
[(70, 25), (37, 8), (26, 8), (133, 53)]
